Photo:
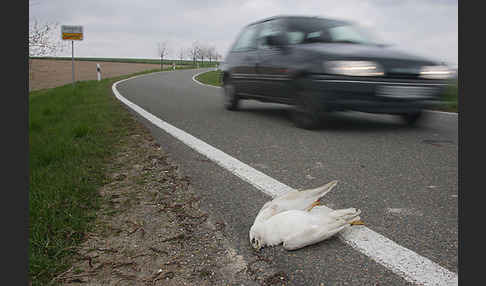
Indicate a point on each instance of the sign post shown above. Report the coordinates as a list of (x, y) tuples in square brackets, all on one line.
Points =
[(72, 59), (73, 33)]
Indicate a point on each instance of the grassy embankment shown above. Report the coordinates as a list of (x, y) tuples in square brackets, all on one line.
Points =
[(210, 77), (451, 94), (72, 132)]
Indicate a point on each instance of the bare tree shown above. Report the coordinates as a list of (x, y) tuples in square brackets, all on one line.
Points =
[(203, 53), (182, 54), (211, 53), (44, 40), (219, 57), (194, 51), (163, 49)]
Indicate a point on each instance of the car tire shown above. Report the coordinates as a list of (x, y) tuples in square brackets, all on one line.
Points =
[(230, 98), (305, 113), (412, 118)]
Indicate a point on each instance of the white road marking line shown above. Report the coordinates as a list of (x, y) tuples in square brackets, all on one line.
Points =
[(402, 261), (264, 183), (443, 112)]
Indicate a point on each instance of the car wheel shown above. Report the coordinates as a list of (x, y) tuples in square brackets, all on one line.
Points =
[(306, 113), (412, 118), (230, 98)]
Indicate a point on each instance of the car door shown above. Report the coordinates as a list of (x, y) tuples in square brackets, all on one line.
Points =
[(243, 59), (274, 63)]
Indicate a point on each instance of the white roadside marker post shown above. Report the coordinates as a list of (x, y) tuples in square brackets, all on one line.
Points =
[(98, 70), (72, 59)]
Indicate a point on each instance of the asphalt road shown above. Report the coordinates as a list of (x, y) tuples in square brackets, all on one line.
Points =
[(405, 180)]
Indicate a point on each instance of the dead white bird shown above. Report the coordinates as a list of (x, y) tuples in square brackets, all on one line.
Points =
[(298, 228), (296, 220), (294, 200)]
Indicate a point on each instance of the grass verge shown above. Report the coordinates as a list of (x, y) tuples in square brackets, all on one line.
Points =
[(210, 77), (450, 95), (72, 134)]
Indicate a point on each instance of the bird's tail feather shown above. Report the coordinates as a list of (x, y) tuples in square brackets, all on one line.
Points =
[(321, 191), (348, 215)]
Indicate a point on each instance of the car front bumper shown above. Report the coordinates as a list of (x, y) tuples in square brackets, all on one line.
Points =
[(377, 95)]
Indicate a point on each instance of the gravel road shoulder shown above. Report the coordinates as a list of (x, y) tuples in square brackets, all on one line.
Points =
[(151, 231)]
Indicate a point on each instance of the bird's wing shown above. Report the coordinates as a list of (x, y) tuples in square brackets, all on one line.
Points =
[(319, 192), (311, 235), (320, 223), (310, 194), (302, 200), (277, 205), (268, 210), (294, 200)]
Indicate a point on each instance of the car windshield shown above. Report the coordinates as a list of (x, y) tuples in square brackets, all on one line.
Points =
[(301, 31)]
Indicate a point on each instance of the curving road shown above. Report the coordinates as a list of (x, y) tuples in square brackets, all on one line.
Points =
[(405, 180)]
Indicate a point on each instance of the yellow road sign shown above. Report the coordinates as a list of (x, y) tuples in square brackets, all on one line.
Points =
[(72, 36), (72, 32)]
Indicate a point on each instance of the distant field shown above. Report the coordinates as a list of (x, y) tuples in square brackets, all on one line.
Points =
[(53, 72), (130, 60)]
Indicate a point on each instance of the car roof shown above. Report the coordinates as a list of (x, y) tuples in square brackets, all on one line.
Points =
[(331, 21)]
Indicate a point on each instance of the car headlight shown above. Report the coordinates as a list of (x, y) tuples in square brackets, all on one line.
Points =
[(435, 72), (353, 68)]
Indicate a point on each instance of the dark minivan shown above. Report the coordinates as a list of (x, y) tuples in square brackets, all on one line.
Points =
[(321, 65)]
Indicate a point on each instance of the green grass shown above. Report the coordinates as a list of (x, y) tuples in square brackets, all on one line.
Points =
[(211, 77), (72, 132), (450, 95)]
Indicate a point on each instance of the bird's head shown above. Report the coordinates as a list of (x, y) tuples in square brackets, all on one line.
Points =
[(256, 238)]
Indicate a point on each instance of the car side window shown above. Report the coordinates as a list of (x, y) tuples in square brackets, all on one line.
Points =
[(296, 37), (272, 27), (246, 40)]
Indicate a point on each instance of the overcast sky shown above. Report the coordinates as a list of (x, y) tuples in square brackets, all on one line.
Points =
[(132, 29)]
